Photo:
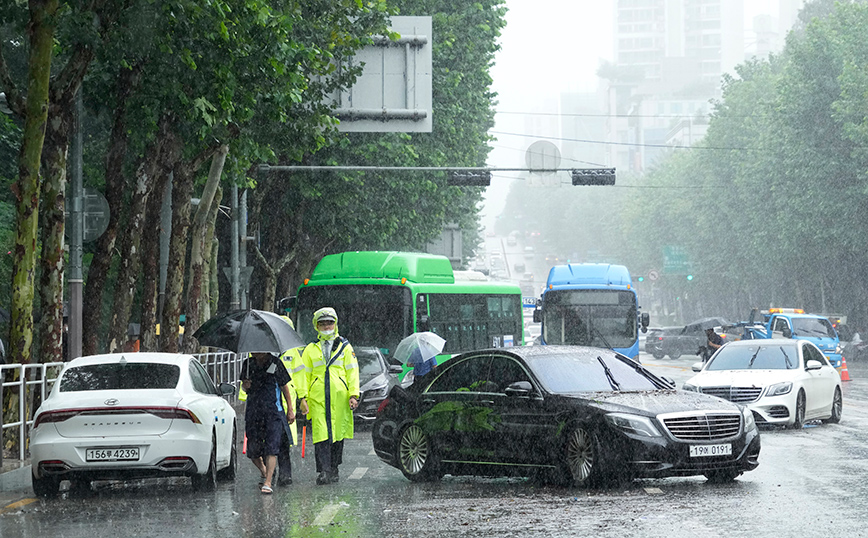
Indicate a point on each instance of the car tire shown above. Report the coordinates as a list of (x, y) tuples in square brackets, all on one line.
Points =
[(723, 475), (416, 457), (227, 474), (658, 355), (837, 407), (581, 464), (674, 356), (799, 412), (47, 486), (207, 481)]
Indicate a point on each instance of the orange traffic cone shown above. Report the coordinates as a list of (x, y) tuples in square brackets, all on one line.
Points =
[(845, 375)]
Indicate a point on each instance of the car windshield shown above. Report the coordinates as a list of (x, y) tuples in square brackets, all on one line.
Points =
[(120, 376), (590, 317), (369, 363), (816, 327), (758, 357), (568, 374)]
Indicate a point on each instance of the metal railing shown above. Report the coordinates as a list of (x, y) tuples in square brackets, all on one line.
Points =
[(37, 379), (30, 377)]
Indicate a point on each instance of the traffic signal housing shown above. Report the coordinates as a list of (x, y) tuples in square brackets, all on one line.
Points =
[(469, 178), (593, 176)]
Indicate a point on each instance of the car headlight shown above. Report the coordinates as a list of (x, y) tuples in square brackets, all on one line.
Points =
[(780, 388), (691, 388), (749, 422), (376, 392), (634, 424)]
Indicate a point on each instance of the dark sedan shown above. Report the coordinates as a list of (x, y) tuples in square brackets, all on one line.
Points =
[(574, 415), (376, 379)]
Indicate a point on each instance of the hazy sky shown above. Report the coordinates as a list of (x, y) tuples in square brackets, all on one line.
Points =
[(547, 47)]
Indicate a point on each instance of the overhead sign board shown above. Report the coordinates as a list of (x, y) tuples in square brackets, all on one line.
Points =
[(394, 92)]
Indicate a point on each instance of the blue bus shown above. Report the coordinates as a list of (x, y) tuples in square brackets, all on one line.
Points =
[(591, 304)]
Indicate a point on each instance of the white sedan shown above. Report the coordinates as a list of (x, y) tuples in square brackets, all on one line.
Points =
[(784, 382), (133, 415)]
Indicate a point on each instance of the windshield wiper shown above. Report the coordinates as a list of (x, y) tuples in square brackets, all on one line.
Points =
[(609, 375), (603, 338), (750, 364), (787, 358)]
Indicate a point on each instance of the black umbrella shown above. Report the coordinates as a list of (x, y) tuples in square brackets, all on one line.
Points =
[(248, 331), (705, 323)]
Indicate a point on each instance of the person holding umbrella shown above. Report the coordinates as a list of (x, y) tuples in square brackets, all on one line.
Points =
[(264, 378), (329, 393)]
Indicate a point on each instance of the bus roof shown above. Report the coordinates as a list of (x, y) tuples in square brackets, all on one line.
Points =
[(414, 266), (578, 275)]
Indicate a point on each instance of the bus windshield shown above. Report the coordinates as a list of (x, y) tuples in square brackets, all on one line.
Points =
[(368, 315), (587, 317)]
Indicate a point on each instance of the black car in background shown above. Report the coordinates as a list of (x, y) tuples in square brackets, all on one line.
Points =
[(376, 379), (674, 341), (570, 414)]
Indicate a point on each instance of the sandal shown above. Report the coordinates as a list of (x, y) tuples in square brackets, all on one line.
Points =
[(261, 481), (266, 490)]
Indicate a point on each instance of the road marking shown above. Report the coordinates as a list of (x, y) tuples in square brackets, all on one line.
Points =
[(18, 504), (372, 452), (654, 491), (358, 473), (328, 513)]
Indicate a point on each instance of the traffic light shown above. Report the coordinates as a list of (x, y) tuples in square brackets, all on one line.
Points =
[(469, 178), (689, 277), (593, 176), (641, 279)]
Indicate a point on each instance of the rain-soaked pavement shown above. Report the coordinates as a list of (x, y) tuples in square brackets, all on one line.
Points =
[(811, 482)]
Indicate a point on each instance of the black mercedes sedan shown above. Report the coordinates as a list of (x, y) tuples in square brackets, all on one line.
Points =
[(572, 415)]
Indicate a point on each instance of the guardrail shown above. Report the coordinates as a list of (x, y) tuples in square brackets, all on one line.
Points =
[(222, 366)]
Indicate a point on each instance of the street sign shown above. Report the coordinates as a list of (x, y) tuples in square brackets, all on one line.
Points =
[(95, 215), (653, 275)]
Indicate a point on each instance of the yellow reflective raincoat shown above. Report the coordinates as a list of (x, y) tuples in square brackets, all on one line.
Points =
[(328, 385)]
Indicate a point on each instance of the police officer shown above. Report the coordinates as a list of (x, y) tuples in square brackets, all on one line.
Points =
[(292, 362), (329, 393)]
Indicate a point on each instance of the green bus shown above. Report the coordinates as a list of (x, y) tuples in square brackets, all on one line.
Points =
[(382, 297)]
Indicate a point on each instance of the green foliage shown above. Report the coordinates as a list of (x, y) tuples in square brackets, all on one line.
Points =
[(404, 210), (769, 206)]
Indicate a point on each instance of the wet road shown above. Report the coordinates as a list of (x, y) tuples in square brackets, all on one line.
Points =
[(809, 483)]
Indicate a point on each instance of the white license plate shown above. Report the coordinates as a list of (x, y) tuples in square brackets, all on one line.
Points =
[(700, 451), (112, 454)]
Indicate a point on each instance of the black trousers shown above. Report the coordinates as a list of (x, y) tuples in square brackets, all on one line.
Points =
[(328, 456), (284, 464)]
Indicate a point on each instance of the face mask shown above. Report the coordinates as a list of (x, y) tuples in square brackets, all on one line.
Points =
[(328, 332)]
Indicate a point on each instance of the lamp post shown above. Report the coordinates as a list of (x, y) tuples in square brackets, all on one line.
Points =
[(74, 277)]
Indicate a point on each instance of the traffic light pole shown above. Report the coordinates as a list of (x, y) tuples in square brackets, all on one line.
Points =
[(76, 246), (468, 176)]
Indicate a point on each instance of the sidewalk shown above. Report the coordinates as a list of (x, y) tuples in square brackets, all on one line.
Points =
[(14, 482)]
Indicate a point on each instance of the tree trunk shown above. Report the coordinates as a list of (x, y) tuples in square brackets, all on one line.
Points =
[(151, 242), (55, 154), (210, 289), (199, 249), (27, 188), (213, 280), (182, 190), (130, 240), (128, 79)]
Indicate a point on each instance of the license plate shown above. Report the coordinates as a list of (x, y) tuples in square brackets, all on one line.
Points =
[(112, 454), (700, 451)]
